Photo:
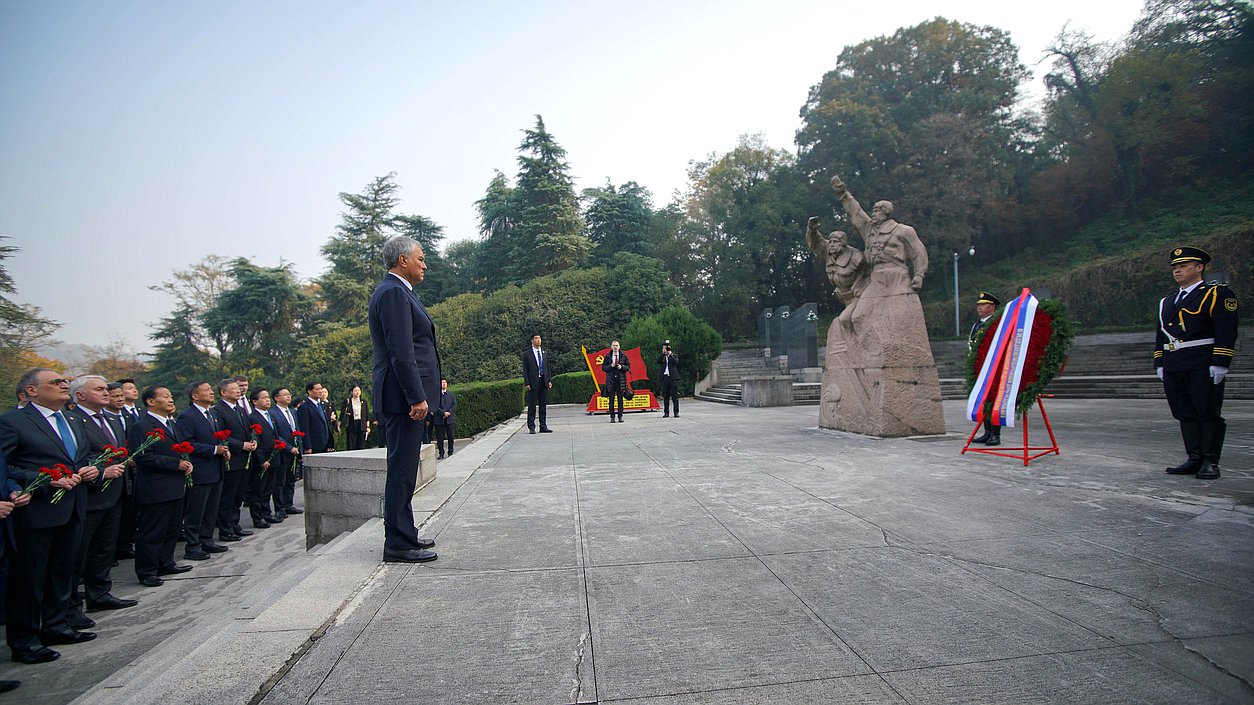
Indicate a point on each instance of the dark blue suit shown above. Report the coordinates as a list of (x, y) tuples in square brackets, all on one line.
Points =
[(317, 427), (208, 470), (284, 492), (406, 371), (160, 486)]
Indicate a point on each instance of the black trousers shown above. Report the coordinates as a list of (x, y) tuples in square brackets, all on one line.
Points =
[(158, 531), (538, 401), (95, 554), (261, 488), (355, 434), (670, 393), (201, 514), (284, 492), (404, 444), (1197, 403), (128, 521), (41, 576), (616, 389), (234, 487), (444, 432)]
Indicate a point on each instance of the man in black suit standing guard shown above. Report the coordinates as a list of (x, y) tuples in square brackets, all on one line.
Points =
[(39, 436), (160, 484), (668, 368), (445, 418), (537, 380), (985, 306), (616, 368), (405, 378)]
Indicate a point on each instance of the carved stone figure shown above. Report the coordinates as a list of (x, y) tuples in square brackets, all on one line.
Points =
[(879, 377)]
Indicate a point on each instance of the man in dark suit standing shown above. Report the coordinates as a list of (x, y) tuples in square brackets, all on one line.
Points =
[(196, 425), (985, 306), (314, 421), (261, 474), (41, 574), (616, 368), (235, 479), (537, 380), (160, 484), (405, 378), (104, 508), (668, 369), (285, 424), (445, 419)]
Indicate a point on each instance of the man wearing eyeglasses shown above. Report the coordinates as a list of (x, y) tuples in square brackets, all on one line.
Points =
[(41, 576)]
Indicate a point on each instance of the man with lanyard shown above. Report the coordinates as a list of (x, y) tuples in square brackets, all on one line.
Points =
[(1194, 347)]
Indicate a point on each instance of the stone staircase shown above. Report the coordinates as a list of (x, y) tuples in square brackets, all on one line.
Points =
[(1103, 366)]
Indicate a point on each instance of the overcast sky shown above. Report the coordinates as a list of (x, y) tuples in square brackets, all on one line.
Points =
[(138, 137)]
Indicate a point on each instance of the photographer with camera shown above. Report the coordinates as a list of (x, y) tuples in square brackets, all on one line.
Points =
[(668, 363)]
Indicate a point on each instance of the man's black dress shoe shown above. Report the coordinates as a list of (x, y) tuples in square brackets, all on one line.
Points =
[(196, 556), (293, 510), (1188, 467), (440, 456), (243, 532), (416, 555), (676, 414), (275, 519), (67, 636), (532, 431), (6, 686), (37, 654), (450, 451), (261, 524), (151, 581), (666, 416), (229, 538), (78, 620), (545, 429), (426, 543), (213, 548), (280, 515), (109, 602), (124, 552), (173, 569), (1208, 471)]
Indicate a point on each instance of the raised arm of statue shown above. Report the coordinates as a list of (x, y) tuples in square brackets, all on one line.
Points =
[(917, 254), (861, 221), (815, 239)]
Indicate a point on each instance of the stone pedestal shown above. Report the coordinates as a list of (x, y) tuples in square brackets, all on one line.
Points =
[(766, 390), (343, 490)]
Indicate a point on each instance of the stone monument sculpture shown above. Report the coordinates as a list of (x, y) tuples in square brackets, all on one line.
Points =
[(879, 377)]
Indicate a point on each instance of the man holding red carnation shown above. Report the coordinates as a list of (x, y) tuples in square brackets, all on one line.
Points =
[(161, 481)]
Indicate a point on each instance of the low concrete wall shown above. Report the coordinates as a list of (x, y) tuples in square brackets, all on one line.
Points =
[(344, 490), (766, 390)]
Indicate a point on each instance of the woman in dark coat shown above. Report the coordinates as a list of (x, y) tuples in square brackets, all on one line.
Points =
[(355, 418)]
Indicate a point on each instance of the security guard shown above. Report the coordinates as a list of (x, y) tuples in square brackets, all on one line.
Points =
[(985, 306), (1197, 334)]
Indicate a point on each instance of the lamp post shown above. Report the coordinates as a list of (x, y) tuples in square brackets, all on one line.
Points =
[(957, 303)]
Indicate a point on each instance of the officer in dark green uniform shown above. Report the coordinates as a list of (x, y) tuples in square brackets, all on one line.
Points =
[(985, 306), (1197, 335)]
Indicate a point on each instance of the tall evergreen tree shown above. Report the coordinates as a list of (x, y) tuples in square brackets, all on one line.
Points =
[(498, 219), (619, 220), (550, 230)]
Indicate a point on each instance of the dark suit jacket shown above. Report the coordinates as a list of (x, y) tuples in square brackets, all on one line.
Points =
[(265, 442), (531, 375), (157, 474), (7, 488), (100, 498), (448, 402), (195, 428), (406, 367), (616, 375), (28, 443), (316, 425), (674, 366), (232, 419), (283, 431), (346, 412)]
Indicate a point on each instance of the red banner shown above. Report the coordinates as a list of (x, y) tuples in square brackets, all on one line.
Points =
[(643, 399)]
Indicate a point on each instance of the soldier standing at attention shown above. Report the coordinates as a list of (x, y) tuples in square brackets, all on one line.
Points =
[(1197, 334)]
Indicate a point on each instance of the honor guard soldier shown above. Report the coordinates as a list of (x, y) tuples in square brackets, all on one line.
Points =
[(1197, 334), (985, 306)]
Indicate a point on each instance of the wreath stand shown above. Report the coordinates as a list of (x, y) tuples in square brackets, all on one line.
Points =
[(1026, 451)]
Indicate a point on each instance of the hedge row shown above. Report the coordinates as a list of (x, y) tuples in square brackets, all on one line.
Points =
[(482, 405)]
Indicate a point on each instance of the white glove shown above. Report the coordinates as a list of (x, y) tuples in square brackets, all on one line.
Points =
[(1218, 374), (1159, 370)]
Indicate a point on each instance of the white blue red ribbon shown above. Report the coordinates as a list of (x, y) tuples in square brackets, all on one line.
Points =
[(1004, 361)]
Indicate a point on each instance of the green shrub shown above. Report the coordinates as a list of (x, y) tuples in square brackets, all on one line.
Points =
[(693, 340), (482, 405), (572, 388)]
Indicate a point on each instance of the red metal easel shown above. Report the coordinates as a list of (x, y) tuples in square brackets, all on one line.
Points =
[(1025, 452)]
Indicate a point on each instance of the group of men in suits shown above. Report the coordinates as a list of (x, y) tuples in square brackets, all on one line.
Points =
[(231, 447)]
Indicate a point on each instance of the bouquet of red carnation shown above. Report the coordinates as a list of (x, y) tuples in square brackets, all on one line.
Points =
[(156, 434), (185, 450), (110, 452), (296, 436), (54, 473), (220, 437), (46, 476), (253, 432), (278, 446)]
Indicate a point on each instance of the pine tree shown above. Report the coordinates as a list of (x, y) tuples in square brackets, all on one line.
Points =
[(550, 230)]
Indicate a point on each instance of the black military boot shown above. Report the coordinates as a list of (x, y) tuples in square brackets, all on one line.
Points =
[(994, 436), (983, 437), (1210, 459), (1191, 432)]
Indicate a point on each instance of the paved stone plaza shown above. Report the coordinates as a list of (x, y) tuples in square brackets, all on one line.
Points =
[(744, 556), (733, 556)]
